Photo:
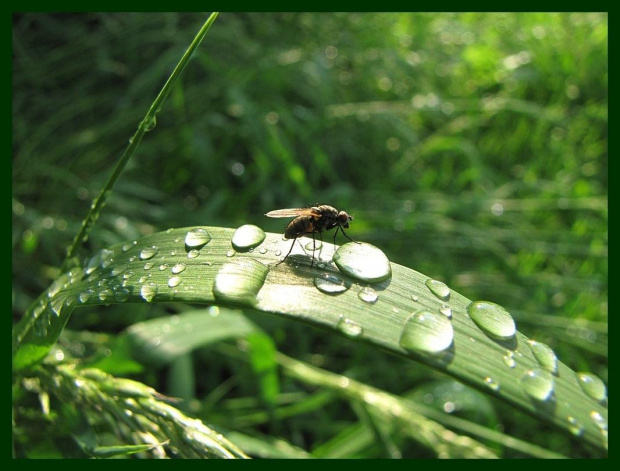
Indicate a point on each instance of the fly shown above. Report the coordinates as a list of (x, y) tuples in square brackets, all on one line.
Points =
[(312, 220)]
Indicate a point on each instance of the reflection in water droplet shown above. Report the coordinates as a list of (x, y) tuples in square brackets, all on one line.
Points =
[(439, 289), (368, 295), (545, 356), (330, 283), (491, 383), (593, 386), (148, 291), (492, 318), (538, 384), (363, 261), (349, 328), (148, 253), (509, 360), (428, 332), (598, 420), (574, 426), (247, 237), (174, 281), (197, 238), (239, 281), (178, 268)]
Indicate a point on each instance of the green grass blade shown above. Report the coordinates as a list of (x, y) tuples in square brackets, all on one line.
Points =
[(162, 267)]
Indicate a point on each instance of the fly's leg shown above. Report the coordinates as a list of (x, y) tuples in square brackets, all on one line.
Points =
[(289, 252)]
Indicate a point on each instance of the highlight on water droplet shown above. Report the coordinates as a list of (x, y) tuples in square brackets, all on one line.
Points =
[(178, 268), (593, 386), (492, 318), (349, 328), (545, 356), (368, 295), (148, 252), (363, 261), (427, 332), (331, 283), (247, 236), (239, 281), (538, 384), (197, 238), (148, 291), (439, 289)]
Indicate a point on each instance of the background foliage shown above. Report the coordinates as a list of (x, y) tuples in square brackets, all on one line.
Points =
[(470, 147)]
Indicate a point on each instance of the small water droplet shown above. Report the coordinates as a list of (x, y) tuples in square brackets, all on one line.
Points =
[(538, 384), (121, 295), (598, 420), (574, 426), (349, 328), (330, 283), (148, 291), (148, 265), (178, 268), (148, 252), (492, 318), (193, 253), (104, 294), (368, 295), (56, 304), (415, 298), (446, 311), (197, 238), (150, 124), (428, 332), (262, 250), (278, 252), (117, 270), (247, 237), (86, 295), (230, 253), (545, 356), (509, 360), (314, 245), (439, 289), (239, 281), (593, 386), (363, 261), (491, 383), (163, 266), (128, 245), (174, 281)]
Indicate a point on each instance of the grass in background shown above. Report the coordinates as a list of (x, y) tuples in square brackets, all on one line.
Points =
[(469, 147)]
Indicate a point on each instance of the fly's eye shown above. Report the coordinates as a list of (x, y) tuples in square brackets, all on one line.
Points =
[(344, 218)]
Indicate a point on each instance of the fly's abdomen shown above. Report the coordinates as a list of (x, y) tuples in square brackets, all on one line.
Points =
[(298, 226)]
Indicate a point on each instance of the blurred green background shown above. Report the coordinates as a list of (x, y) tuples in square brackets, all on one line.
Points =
[(470, 147)]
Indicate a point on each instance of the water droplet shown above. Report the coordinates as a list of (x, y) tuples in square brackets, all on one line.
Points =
[(230, 253), (368, 295), (128, 245), (163, 266), (193, 253), (104, 294), (56, 304), (278, 252), (492, 319), (197, 238), (314, 245), (239, 281), (86, 295), (428, 332), (446, 311), (247, 237), (148, 291), (178, 268), (439, 289), (174, 281), (593, 386), (509, 360), (150, 124), (415, 298), (330, 283), (148, 253), (121, 295), (148, 265), (598, 420), (574, 426), (545, 356), (349, 328), (363, 261), (538, 384), (117, 270), (262, 250), (491, 383)]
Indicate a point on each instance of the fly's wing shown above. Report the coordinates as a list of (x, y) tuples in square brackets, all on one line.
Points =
[(293, 212)]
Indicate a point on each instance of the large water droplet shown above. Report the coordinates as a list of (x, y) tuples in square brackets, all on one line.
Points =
[(428, 332), (178, 268), (545, 356), (492, 318), (439, 289), (331, 284), (197, 238), (368, 295), (239, 281), (363, 261), (247, 237), (148, 253), (349, 328), (538, 384), (148, 291), (593, 386)]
